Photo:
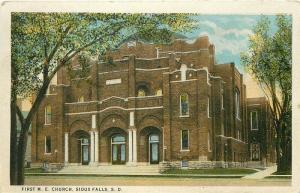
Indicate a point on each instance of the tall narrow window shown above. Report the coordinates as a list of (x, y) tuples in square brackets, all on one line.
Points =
[(238, 134), (184, 105), (254, 121), (222, 99), (48, 115), (47, 144), (208, 107), (184, 139), (222, 127), (208, 142), (237, 103)]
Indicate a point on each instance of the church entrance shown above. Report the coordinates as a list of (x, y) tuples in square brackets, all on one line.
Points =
[(80, 147), (84, 146), (118, 149), (154, 148)]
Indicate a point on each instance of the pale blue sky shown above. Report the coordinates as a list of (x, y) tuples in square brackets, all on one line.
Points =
[(229, 34)]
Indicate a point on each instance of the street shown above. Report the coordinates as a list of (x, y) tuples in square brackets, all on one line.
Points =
[(151, 181)]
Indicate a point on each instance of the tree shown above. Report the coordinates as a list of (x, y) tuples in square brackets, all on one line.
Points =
[(42, 43), (269, 60)]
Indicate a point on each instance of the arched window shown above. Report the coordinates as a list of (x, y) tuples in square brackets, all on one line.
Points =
[(141, 92), (118, 139), (48, 115), (184, 105), (159, 92), (81, 99)]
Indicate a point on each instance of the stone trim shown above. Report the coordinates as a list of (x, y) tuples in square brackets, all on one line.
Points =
[(166, 165), (116, 71), (151, 58), (151, 69), (231, 138), (115, 107)]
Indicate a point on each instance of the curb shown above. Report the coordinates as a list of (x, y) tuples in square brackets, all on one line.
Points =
[(136, 175)]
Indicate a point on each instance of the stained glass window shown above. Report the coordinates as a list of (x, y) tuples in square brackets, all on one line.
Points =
[(48, 114)]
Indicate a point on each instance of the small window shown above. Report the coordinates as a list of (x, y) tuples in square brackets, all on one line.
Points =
[(48, 144), (184, 139), (48, 115), (237, 103), (141, 93), (254, 120), (81, 99), (184, 105), (159, 92), (185, 164)]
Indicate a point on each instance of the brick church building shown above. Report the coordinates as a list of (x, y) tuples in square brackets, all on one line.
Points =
[(151, 104)]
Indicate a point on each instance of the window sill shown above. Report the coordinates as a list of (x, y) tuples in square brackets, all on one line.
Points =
[(47, 153), (184, 116), (47, 124), (184, 150)]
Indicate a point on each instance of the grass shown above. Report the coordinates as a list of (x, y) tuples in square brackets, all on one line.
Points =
[(34, 170), (282, 173), (214, 171)]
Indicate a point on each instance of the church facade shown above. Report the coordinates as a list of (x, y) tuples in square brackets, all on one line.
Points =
[(147, 104)]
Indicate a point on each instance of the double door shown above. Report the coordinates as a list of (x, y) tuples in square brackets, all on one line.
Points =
[(118, 154)]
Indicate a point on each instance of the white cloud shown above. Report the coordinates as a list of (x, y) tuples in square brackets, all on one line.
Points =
[(218, 38), (222, 44)]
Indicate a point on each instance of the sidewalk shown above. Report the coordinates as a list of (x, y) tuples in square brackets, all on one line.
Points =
[(262, 174)]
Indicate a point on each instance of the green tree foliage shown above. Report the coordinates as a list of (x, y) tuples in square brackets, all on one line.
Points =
[(269, 60), (42, 43)]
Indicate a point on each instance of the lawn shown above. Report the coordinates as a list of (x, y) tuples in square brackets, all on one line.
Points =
[(282, 173), (214, 171), (34, 170)]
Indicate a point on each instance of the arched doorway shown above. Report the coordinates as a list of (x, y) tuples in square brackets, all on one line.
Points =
[(80, 147), (118, 149), (154, 148), (150, 147), (114, 146)]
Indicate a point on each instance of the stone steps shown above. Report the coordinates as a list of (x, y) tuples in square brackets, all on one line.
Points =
[(112, 170)]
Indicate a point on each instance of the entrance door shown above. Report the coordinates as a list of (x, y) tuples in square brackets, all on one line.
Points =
[(84, 151), (118, 149), (154, 149)]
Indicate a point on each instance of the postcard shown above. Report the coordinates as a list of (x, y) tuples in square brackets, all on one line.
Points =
[(128, 96)]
